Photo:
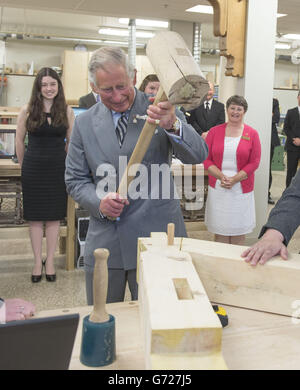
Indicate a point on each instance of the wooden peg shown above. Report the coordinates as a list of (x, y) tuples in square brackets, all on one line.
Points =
[(171, 230)]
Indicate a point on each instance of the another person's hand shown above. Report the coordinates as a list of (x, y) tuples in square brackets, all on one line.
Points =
[(204, 134), (227, 182), (112, 205), (271, 244), (18, 309), (163, 114)]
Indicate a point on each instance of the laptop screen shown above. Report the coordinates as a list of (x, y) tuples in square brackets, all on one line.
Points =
[(78, 110), (38, 344)]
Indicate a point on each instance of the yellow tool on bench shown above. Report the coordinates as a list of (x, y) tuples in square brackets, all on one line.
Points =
[(221, 312)]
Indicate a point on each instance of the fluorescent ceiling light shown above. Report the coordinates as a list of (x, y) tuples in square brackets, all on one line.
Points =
[(124, 33), (146, 23), (283, 46), (201, 9), (208, 9), (291, 36), (120, 43)]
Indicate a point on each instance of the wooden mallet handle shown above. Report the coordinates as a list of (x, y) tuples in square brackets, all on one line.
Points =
[(100, 283), (140, 149)]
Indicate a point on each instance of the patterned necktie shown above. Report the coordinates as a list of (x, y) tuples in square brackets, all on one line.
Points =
[(207, 107), (121, 128)]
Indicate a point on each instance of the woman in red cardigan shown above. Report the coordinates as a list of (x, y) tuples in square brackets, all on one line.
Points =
[(234, 155)]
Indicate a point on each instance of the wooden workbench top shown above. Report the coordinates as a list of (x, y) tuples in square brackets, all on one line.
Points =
[(252, 341), (9, 168), (8, 126), (9, 113)]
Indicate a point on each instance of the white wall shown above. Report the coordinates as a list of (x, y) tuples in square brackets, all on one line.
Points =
[(18, 90), (286, 74), (19, 53), (287, 99)]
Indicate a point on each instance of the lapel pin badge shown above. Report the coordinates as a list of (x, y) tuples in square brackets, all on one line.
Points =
[(137, 116)]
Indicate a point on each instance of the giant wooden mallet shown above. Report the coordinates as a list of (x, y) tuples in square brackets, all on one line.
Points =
[(98, 345), (182, 83)]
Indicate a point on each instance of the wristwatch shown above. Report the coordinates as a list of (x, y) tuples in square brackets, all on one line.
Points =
[(175, 127), (2, 311)]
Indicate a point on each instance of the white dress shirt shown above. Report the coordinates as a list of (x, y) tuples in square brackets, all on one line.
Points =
[(209, 103)]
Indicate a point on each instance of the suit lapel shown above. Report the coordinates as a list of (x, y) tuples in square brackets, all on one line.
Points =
[(213, 106), (297, 114), (103, 128), (203, 112), (134, 125)]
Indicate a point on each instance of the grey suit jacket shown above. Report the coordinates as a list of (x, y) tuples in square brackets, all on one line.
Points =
[(94, 143), (285, 216), (87, 101)]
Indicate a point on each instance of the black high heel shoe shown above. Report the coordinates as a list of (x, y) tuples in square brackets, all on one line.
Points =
[(37, 278), (49, 278)]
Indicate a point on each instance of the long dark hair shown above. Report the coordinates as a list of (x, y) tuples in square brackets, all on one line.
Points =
[(36, 116)]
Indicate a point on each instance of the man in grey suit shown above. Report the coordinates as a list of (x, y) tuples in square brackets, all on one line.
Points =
[(102, 139), (282, 223)]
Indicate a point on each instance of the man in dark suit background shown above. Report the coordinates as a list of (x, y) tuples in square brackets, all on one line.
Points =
[(292, 131), (89, 100), (275, 141), (207, 115)]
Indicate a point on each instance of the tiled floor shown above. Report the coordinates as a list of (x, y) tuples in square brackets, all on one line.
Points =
[(69, 289)]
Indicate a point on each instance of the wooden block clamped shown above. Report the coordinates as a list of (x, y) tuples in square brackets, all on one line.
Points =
[(230, 20), (98, 345), (229, 280), (181, 287), (181, 329)]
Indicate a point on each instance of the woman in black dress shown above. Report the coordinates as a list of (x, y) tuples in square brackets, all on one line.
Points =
[(48, 121)]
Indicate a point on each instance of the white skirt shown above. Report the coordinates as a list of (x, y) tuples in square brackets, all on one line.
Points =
[(229, 212)]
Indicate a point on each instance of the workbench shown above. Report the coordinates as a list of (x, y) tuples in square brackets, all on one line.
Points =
[(11, 187), (253, 340), (8, 126)]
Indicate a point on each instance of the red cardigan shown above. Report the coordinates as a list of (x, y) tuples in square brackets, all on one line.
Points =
[(247, 154)]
